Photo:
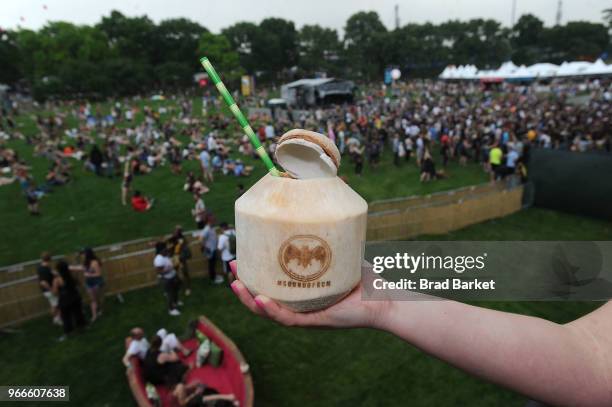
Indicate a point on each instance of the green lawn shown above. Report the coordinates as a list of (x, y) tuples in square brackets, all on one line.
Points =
[(290, 366), (88, 211)]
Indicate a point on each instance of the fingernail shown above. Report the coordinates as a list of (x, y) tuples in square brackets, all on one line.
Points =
[(234, 287), (259, 303)]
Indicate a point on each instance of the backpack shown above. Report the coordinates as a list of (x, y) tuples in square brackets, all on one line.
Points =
[(232, 243)]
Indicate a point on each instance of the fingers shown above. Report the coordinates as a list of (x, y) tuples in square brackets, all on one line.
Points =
[(245, 297), (264, 306), (285, 316), (234, 268)]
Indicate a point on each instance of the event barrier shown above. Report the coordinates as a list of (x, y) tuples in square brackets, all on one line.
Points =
[(128, 265)]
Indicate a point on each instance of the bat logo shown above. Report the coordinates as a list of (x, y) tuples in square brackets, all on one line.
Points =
[(304, 257)]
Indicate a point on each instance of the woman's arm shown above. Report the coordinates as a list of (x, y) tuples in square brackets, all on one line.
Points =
[(557, 364), (56, 284), (167, 358)]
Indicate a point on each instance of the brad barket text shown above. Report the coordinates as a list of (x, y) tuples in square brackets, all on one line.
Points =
[(435, 285)]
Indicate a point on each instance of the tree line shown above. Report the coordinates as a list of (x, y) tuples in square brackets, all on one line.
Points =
[(124, 55)]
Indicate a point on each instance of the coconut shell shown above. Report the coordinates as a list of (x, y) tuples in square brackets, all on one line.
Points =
[(299, 242), (306, 154)]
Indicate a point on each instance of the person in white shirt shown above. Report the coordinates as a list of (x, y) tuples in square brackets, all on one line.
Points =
[(212, 143), (270, 133), (207, 172), (170, 343), (227, 246), (136, 345), (167, 273), (199, 211)]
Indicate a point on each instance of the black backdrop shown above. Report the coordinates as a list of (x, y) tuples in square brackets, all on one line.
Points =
[(572, 182)]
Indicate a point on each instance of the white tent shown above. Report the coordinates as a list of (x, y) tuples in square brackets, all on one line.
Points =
[(508, 70), (544, 69), (522, 72), (598, 68), (574, 68)]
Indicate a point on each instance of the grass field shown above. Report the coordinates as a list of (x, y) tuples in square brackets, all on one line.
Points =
[(88, 211), (290, 366)]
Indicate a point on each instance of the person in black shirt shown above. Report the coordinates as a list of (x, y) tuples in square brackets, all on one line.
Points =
[(45, 281), (162, 367), (70, 302)]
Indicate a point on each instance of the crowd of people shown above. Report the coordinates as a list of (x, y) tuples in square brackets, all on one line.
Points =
[(422, 123), (61, 283), (428, 123), (162, 364)]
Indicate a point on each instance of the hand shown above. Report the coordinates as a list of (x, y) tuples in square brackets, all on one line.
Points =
[(351, 311)]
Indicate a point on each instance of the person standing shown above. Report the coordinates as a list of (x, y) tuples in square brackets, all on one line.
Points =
[(165, 269), (69, 299), (94, 282), (396, 150), (208, 240), (181, 256), (45, 281), (205, 165), (199, 211), (495, 161), (227, 247)]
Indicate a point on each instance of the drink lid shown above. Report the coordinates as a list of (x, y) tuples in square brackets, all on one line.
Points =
[(305, 155)]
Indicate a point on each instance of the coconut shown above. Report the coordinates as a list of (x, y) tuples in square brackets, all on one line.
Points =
[(299, 238)]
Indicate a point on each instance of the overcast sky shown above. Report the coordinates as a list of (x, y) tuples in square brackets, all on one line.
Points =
[(218, 14)]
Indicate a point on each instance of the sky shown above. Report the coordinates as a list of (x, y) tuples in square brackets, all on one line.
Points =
[(216, 15)]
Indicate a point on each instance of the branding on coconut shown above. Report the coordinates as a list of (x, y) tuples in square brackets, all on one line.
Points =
[(304, 258)]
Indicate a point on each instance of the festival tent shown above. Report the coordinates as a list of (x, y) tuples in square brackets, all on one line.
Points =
[(506, 69), (522, 73), (544, 69), (598, 68), (313, 91), (509, 71), (450, 72), (574, 68)]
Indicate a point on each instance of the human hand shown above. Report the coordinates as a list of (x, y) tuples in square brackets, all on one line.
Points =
[(350, 312)]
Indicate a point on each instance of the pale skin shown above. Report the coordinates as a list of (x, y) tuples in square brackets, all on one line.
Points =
[(568, 364), (94, 293)]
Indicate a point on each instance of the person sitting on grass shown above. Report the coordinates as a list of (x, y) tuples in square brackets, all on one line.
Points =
[(428, 169), (141, 203), (135, 345)]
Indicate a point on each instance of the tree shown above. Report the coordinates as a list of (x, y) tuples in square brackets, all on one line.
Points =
[(131, 37), (320, 49), (10, 68), (607, 16), (176, 40), (527, 37), (225, 59), (575, 40), (241, 36), (64, 58), (278, 44), (364, 37)]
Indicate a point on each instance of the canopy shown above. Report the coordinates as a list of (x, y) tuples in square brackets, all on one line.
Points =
[(511, 72)]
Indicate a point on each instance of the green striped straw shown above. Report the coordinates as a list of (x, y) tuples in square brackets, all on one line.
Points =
[(231, 103)]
